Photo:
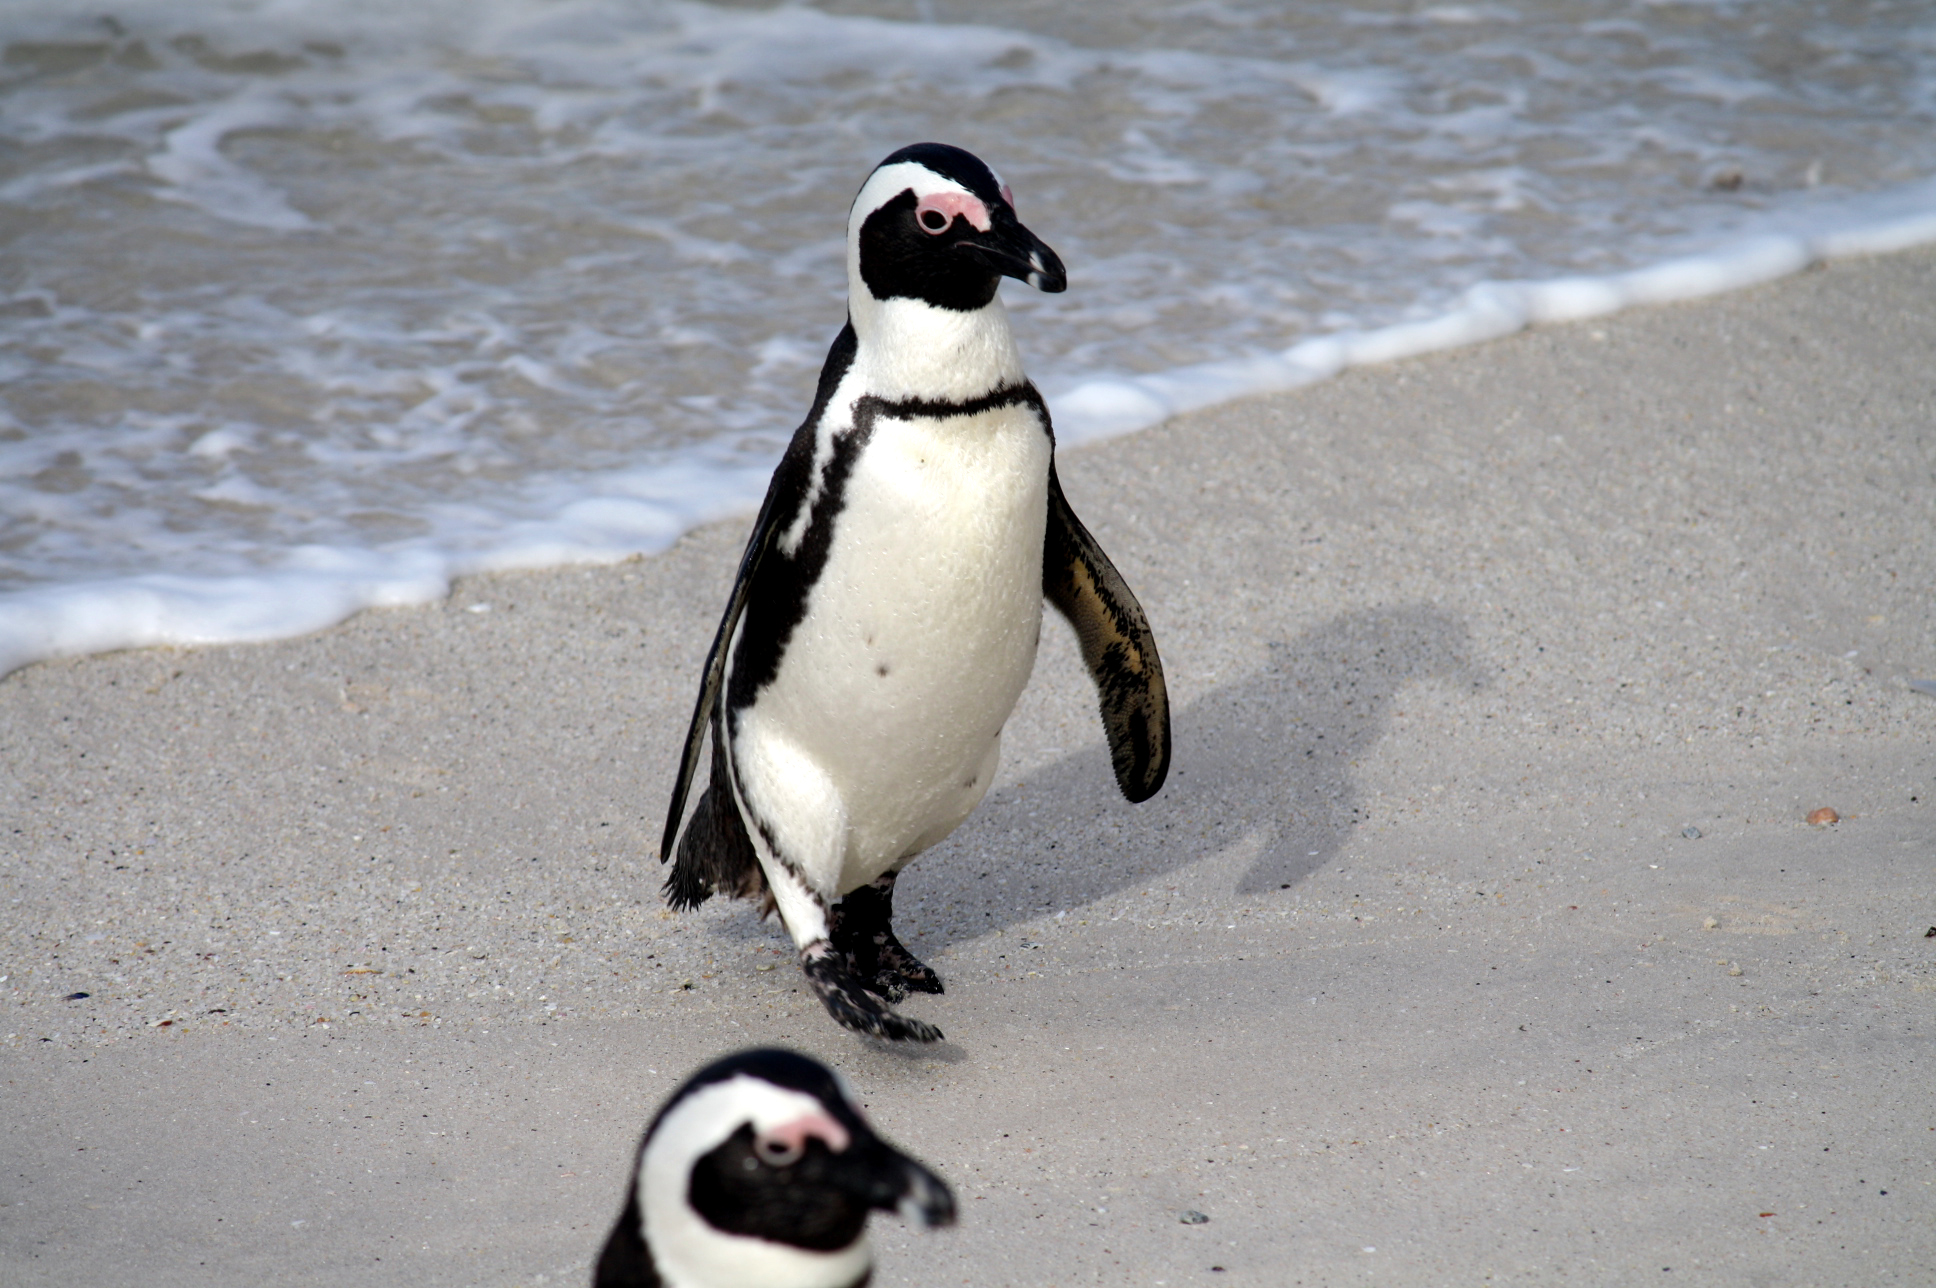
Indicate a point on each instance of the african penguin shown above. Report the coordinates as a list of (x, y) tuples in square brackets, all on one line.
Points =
[(888, 605), (760, 1171)]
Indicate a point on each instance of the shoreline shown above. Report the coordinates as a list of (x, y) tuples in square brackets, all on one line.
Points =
[(639, 512), (1480, 907)]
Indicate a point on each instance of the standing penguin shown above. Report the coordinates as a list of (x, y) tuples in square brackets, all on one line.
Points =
[(889, 603), (761, 1170)]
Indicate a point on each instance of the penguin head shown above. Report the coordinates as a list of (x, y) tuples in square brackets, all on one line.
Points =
[(761, 1170), (933, 223)]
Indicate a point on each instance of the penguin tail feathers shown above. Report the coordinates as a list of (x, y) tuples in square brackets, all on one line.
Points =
[(715, 856)]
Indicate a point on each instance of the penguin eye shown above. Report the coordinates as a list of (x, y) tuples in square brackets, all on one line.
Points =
[(778, 1153), (934, 221)]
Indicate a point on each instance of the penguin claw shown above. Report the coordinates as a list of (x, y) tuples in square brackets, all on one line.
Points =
[(906, 972), (893, 971), (889, 987), (853, 1005)]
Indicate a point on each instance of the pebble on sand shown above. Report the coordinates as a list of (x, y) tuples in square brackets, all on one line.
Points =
[(1824, 815), (1193, 1217)]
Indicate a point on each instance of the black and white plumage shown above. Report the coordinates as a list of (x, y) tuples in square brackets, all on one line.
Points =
[(760, 1172), (889, 603)]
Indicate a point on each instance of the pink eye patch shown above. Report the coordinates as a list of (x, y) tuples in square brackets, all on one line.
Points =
[(937, 211), (793, 1136)]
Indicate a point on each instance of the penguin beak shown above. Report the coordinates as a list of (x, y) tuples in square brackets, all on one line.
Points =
[(883, 1177), (1013, 251), (925, 1198)]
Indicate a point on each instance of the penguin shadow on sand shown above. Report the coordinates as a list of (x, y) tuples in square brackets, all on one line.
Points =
[(1261, 776)]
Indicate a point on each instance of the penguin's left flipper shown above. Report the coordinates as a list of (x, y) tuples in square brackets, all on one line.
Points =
[(1117, 646), (715, 854)]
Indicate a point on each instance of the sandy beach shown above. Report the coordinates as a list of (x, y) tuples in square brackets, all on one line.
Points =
[(1479, 935)]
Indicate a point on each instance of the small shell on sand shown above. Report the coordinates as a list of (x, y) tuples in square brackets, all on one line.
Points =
[(1823, 815)]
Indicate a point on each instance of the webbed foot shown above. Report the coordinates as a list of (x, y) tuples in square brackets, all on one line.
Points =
[(862, 934), (852, 1003)]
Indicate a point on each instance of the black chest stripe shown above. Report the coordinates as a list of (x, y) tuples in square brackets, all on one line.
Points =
[(782, 584), (1024, 394), (784, 497), (777, 602)]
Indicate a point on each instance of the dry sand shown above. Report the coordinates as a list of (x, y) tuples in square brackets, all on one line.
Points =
[(1416, 972)]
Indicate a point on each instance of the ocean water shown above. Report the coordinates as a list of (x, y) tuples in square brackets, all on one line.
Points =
[(309, 305)]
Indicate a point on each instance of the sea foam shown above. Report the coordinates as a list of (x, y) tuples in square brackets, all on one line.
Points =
[(318, 305)]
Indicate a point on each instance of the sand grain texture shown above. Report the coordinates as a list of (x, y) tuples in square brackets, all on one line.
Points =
[(1415, 973)]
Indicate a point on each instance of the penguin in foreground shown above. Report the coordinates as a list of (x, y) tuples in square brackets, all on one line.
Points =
[(889, 603), (761, 1171)]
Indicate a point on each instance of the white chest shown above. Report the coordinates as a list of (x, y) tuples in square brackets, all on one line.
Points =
[(938, 546), (921, 630), (931, 597)]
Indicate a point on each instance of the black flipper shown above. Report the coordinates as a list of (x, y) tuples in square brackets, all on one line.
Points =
[(715, 855), (764, 530), (1117, 646), (784, 495)]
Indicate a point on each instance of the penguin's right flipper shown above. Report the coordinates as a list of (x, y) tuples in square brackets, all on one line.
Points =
[(1117, 646), (703, 710), (787, 492), (715, 855)]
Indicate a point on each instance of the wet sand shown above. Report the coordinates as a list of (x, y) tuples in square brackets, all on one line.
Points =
[(1479, 931)]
